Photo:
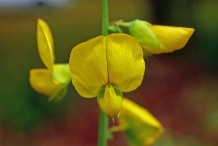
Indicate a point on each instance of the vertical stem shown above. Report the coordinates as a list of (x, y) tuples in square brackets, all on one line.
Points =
[(105, 18), (103, 120), (103, 129)]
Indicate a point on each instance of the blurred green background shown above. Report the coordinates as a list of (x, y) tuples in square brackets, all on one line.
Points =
[(179, 89)]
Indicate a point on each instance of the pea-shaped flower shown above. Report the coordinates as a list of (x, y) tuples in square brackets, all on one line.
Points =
[(157, 39), (53, 79), (105, 67), (139, 125)]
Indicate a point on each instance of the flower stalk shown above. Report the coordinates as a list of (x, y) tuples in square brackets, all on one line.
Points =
[(105, 17), (103, 120)]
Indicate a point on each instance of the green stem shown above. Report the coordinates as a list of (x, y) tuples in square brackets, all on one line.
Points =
[(105, 18), (103, 119), (103, 129)]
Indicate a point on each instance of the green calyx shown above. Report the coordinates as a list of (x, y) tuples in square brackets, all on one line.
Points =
[(141, 31), (61, 75)]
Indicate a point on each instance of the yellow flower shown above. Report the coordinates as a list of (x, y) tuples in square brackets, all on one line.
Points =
[(53, 80), (157, 39), (105, 67), (139, 125)]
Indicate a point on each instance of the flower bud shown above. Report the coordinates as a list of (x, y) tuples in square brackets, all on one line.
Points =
[(157, 39), (139, 125)]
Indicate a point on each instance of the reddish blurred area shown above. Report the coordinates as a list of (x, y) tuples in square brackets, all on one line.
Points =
[(163, 92), (179, 89), (180, 94)]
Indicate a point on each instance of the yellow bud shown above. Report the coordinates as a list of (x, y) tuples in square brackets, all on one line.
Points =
[(110, 100), (157, 39), (171, 38), (139, 125)]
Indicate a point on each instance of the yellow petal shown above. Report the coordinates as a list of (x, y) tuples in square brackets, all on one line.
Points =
[(170, 38), (125, 61), (110, 100), (88, 67), (141, 127), (115, 59), (42, 81), (45, 44)]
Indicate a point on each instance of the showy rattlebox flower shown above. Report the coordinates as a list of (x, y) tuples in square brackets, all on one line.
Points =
[(139, 125), (105, 67), (53, 79), (157, 39)]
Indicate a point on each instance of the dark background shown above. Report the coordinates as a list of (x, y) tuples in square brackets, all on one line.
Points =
[(179, 89)]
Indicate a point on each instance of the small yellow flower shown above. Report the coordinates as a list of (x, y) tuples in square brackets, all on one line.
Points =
[(105, 67), (157, 39), (139, 125), (53, 80)]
